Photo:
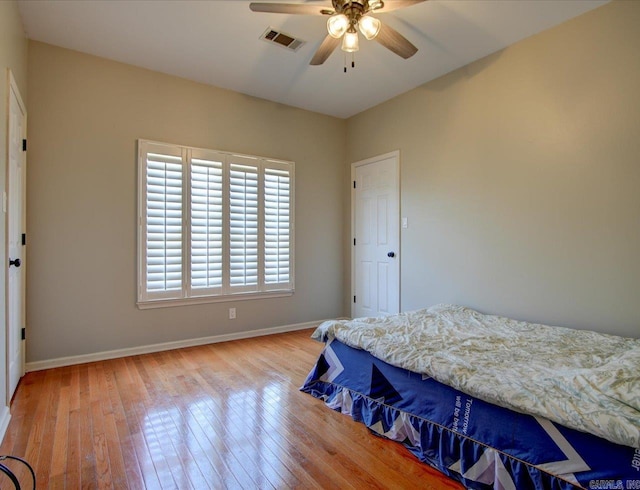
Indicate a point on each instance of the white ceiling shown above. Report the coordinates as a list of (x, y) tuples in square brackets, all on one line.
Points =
[(216, 42)]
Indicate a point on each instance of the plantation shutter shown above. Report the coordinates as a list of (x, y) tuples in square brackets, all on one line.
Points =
[(243, 224), (212, 225), (207, 222), (277, 226), (163, 217)]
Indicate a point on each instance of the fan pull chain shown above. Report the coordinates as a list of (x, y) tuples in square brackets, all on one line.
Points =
[(353, 61)]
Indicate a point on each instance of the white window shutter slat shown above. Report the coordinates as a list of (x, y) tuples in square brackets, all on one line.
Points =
[(243, 224), (277, 226), (206, 223), (163, 219)]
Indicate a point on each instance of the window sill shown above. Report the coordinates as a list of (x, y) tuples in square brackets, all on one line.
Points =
[(167, 303)]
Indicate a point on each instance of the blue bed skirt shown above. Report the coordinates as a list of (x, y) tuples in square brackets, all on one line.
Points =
[(477, 443)]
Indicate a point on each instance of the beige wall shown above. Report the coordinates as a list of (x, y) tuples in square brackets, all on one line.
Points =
[(13, 55), (86, 114), (521, 177)]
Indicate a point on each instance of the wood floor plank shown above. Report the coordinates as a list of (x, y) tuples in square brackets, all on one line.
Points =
[(102, 466), (74, 462), (120, 442), (48, 407), (166, 431), (154, 470), (217, 416), (60, 442)]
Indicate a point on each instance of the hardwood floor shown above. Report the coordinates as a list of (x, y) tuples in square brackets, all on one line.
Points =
[(225, 415)]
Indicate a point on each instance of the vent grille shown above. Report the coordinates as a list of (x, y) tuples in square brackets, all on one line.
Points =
[(281, 39)]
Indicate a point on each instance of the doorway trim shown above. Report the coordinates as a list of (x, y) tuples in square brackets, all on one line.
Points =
[(396, 155)]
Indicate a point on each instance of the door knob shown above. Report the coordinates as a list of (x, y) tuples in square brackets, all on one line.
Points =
[(391, 255), (14, 262)]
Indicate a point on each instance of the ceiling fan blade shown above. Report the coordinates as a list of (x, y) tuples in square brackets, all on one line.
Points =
[(289, 8), (396, 42), (324, 51), (390, 5)]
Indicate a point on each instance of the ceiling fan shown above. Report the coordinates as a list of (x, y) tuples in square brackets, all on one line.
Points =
[(346, 17)]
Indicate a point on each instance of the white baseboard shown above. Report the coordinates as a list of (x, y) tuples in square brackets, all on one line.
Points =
[(147, 349), (5, 417)]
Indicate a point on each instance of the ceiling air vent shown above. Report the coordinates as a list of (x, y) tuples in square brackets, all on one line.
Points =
[(281, 39)]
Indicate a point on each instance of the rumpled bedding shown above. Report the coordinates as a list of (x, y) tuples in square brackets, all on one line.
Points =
[(584, 380)]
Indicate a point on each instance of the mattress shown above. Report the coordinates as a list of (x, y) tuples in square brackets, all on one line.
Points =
[(482, 445), (585, 380)]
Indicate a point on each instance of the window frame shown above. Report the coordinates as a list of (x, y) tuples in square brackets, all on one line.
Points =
[(187, 294)]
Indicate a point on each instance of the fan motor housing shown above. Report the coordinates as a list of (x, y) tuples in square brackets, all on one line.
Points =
[(349, 8)]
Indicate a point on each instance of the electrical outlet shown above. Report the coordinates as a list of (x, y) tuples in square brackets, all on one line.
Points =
[(232, 313)]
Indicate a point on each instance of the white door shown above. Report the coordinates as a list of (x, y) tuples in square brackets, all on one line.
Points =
[(376, 261), (15, 228)]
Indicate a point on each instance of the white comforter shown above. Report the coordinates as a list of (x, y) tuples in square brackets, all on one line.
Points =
[(584, 380)]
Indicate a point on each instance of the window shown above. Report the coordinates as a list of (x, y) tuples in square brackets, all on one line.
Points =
[(212, 225)]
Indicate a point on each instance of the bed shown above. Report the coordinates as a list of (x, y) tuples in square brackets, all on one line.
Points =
[(491, 402)]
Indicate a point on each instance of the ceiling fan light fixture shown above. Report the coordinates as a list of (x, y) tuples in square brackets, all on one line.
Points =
[(369, 26), (337, 25), (350, 41), (375, 4)]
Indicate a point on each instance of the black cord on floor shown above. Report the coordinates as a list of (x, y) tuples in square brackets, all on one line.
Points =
[(10, 474)]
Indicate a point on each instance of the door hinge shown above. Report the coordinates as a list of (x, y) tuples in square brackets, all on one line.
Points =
[(354, 184), (354, 241), (24, 145), (354, 298), (24, 239), (23, 333)]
